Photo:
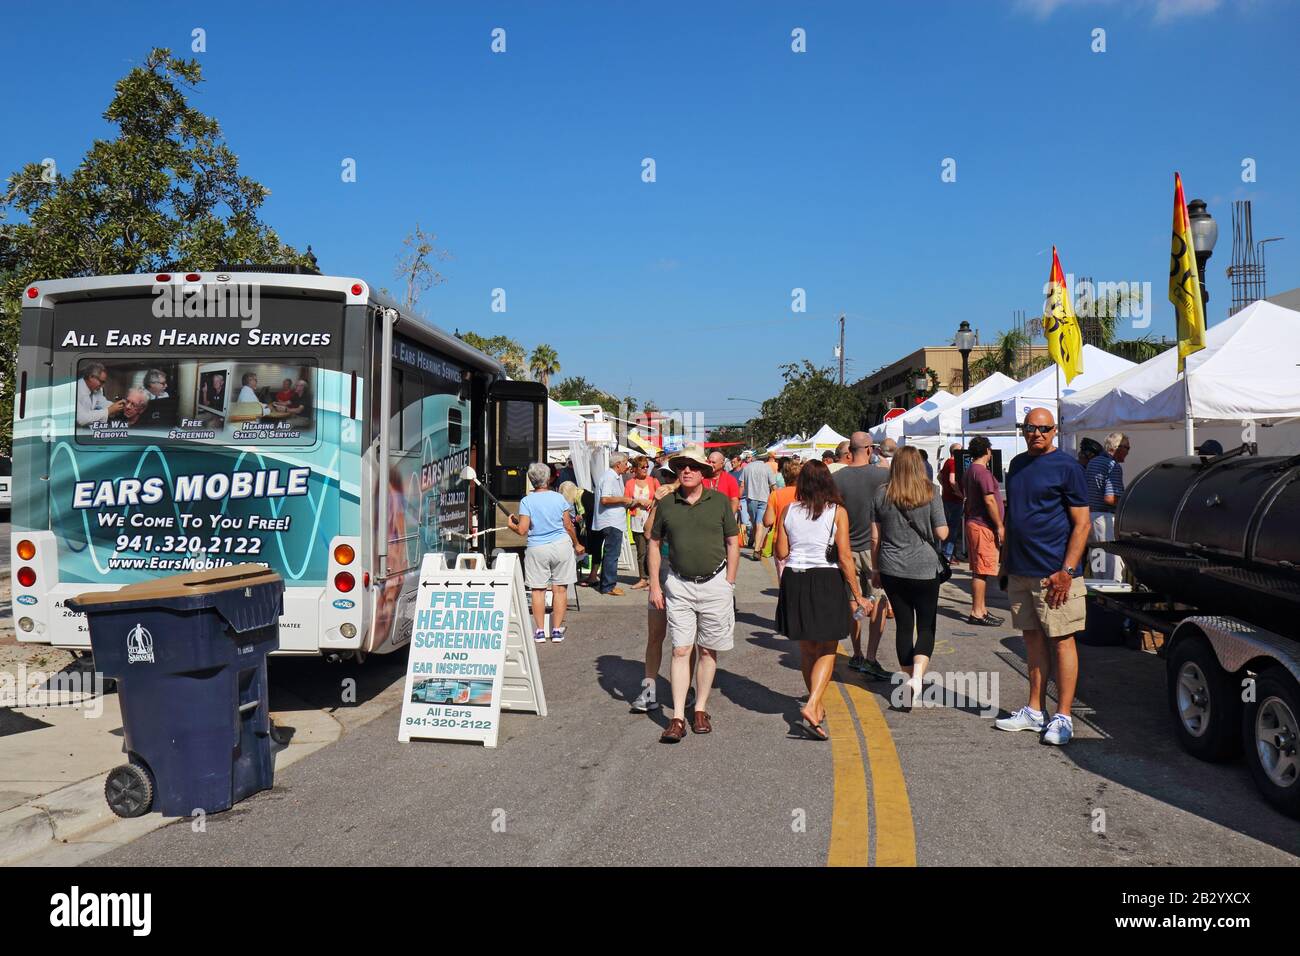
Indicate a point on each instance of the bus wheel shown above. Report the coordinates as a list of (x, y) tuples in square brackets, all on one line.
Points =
[(1203, 701), (129, 790), (1270, 733)]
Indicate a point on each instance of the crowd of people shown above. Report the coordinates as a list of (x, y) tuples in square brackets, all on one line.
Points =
[(859, 535)]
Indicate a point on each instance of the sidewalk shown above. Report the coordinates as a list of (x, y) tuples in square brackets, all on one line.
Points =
[(54, 757)]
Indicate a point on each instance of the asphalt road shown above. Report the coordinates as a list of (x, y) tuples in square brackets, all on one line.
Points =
[(590, 784)]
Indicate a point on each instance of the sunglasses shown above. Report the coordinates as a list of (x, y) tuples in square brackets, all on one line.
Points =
[(1037, 429), (690, 466)]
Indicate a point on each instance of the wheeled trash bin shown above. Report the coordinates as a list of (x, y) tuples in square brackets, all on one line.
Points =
[(188, 653)]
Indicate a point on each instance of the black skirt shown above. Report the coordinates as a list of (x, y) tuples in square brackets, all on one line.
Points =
[(813, 605)]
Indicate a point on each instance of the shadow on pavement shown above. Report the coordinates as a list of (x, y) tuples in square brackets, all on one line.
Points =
[(313, 683), (1122, 696)]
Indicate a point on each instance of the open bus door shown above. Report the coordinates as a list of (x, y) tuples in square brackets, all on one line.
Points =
[(516, 438)]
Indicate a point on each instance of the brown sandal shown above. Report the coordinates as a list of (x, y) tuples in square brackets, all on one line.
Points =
[(701, 723), (674, 732)]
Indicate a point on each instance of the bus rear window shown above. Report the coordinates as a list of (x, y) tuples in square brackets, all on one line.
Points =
[(224, 401)]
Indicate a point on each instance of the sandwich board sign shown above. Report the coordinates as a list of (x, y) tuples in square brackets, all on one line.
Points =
[(470, 654)]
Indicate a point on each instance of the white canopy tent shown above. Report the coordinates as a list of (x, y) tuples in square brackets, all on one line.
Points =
[(1249, 369), (894, 427), (1001, 414), (933, 431), (789, 446), (1244, 385), (826, 439), (562, 426), (946, 421)]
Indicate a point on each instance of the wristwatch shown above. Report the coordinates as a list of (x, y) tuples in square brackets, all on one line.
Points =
[(1070, 572)]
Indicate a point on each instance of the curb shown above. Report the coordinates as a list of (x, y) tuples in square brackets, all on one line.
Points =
[(73, 824)]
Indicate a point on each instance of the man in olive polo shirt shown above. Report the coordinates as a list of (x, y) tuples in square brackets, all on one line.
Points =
[(698, 593)]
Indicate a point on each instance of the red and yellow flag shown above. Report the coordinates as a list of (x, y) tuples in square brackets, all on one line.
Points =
[(1185, 281), (1064, 337)]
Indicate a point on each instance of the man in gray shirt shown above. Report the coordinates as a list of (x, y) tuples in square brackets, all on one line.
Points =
[(858, 483), (757, 482)]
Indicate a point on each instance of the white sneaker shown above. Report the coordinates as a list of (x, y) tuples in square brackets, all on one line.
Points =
[(1023, 719), (646, 699), (1059, 730)]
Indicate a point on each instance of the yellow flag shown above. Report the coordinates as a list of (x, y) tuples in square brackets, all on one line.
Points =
[(1185, 281), (1064, 337)]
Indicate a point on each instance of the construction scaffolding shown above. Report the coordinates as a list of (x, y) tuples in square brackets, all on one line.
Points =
[(1247, 269)]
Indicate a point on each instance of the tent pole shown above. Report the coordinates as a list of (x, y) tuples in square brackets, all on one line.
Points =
[(1189, 424)]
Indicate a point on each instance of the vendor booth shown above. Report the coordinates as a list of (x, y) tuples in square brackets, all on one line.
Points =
[(1244, 386), (1002, 414), (894, 427), (934, 431), (824, 439)]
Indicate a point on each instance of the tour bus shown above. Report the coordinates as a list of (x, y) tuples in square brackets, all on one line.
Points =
[(182, 421)]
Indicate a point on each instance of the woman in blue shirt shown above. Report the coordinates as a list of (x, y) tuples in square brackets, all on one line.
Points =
[(550, 558)]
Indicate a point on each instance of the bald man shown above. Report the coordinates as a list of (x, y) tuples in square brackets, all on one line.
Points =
[(1047, 525)]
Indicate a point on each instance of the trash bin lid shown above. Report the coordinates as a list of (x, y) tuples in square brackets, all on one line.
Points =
[(190, 584), (227, 589)]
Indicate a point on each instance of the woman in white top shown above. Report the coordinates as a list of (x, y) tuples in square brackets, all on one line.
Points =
[(813, 609)]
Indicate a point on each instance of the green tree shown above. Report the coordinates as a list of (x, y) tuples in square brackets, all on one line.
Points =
[(502, 348), (1003, 356), (165, 193), (810, 398), (544, 363)]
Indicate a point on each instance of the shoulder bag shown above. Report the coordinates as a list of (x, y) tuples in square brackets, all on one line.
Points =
[(945, 569)]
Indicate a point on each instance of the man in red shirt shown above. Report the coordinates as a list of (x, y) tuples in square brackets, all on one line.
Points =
[(954, 501), (722, 480)]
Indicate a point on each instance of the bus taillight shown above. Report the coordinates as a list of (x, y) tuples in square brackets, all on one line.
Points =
[(343, 554), (193, 277), (163, 277), (26, 577), (342, 581), (33, 292), (26, 550)]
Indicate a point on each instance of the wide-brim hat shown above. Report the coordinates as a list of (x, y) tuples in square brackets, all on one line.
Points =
[(695, 454)]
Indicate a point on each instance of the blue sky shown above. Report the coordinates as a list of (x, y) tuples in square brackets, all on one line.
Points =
[(775, 170)]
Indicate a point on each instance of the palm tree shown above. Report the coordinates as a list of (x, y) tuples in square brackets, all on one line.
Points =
[(1003, 356), (544, 363)]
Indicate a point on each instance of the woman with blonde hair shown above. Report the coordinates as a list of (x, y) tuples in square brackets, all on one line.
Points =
[(908, 529)]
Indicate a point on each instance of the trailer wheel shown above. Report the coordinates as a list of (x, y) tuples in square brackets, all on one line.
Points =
[(1204, 702), (1270, 732), (129, 790)]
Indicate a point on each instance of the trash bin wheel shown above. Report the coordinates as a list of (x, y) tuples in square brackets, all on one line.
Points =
[(129, 790)]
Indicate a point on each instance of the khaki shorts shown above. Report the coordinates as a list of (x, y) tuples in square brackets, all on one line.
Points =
[(703, 614), (1030, 611), (862, 561), (550, 564)]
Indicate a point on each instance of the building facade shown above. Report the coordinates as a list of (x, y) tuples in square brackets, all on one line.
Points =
[(932, 367)]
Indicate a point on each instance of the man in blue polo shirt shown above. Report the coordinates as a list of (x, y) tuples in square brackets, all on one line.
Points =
[(1047, 527)]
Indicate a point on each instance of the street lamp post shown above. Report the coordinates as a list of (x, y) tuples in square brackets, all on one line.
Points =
[(965, 341), (1205, 233)]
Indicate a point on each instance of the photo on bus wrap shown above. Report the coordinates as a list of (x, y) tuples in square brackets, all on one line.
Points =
[(196, 400)]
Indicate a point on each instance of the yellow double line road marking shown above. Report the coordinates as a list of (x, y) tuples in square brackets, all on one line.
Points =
[(848, 706)]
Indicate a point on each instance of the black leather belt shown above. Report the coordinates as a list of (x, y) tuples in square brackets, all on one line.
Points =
[(701, 578)]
